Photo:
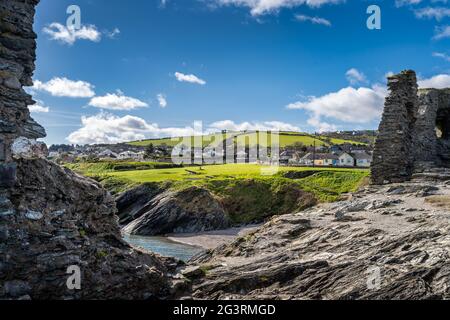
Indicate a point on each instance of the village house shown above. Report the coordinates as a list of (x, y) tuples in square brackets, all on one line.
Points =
[(307, 160), (346, 160), (131, 155), (362, 159), (325, 159), (296, 157), (107, 155), (286, 155), (319, 159)]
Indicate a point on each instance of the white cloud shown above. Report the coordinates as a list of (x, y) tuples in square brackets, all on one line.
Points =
[(63, 87), (442, 32), (354, 76), (313, 20), (259, 7), (442, 56), (108, 128), (69, 35), (361, 105), (162, 100), (38, 107), (402, 3), (352, 105), (113, 34), (252, 126), (117, 101), (430, 13), (321, 126), (440, 81), (189, 78)]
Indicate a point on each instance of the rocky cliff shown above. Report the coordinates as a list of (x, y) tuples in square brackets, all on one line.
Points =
[(386, 242), (50, 218), (185, 211)]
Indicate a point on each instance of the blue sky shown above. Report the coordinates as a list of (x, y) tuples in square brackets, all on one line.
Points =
[(146, 68)]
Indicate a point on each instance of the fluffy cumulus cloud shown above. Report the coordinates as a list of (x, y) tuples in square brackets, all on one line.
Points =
[(313, 20), (354, 76), (355, 105), (321, 126), (108, 128), (39, 107), (361, 105), (250, 126), (259, 7), (162, 100), (69, 35), (189, 78), (440, 81), (63, 87), (117, 101), (442, 32)]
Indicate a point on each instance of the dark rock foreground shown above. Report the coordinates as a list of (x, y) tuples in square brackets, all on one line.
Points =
[(50, 218), (400, 232)]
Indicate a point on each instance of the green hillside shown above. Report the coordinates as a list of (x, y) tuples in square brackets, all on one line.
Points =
[(285, 138)]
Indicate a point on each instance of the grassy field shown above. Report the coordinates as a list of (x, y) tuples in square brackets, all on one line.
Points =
[(227, 171), (326, 183), (245, 193), (285, 139), (103, 167)]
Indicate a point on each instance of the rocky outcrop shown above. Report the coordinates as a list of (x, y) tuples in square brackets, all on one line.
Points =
[(130, 203), (186, 211), (386, 242), (414, 133), (52, 220)]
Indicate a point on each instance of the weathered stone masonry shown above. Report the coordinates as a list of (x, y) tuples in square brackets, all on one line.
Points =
[(17, 55), (414, 133)]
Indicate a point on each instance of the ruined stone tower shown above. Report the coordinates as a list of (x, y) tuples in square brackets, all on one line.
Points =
[(17, 55), (414, 133)]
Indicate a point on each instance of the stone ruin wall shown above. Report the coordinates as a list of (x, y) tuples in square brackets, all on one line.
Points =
[(17, 56), (408, 141)]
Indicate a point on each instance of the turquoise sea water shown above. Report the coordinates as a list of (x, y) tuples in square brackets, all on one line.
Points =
[(164, 246)]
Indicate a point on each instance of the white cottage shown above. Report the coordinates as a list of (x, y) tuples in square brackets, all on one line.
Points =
[(363, 160), (346, 160)]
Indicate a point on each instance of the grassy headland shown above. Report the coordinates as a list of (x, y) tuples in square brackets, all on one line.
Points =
[(285, 139), (245, 194)]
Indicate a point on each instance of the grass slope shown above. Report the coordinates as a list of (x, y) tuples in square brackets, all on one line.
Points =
[(245, 193), (285, 139)]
